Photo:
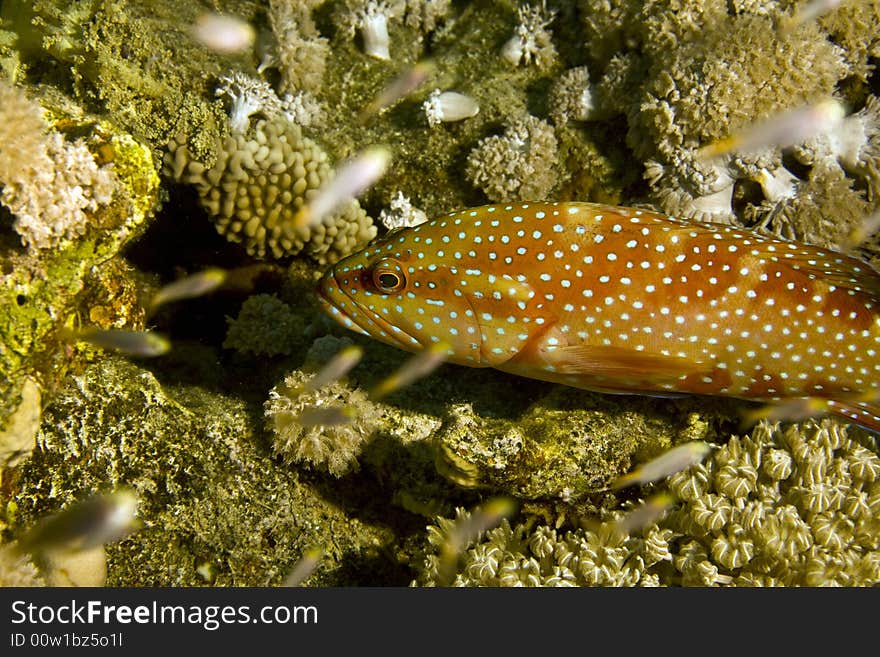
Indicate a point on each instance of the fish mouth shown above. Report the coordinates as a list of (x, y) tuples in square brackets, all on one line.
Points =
[(335, 301)]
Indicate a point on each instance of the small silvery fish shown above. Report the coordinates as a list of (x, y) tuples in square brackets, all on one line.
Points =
[(189, 287), (647, 513), (304, 567), (417, 367), (403, 85), (668, 463), (134, 343), (227, 35), (84, 525), (352, 178), (622, 300), (810, 11), (325, 416), (781, 131), (337, 368)]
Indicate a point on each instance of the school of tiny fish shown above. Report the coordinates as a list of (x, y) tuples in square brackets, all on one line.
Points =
[(622, 300)]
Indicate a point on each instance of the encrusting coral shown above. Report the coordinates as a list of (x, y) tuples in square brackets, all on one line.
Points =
[(260, 180)]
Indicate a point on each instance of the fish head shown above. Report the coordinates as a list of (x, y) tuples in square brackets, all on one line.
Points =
[(400, 293)]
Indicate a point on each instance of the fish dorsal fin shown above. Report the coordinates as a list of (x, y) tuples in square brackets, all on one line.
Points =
[(822, 264)]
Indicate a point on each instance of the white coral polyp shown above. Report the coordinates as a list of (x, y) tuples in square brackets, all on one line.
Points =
[(374, 31), (449, 106)]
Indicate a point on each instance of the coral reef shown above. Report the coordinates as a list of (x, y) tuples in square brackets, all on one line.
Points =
[(589, 100), (258, 183), (687, 78), (781, 507)]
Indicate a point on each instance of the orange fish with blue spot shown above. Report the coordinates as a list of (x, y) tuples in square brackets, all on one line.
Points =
[(623, 300)]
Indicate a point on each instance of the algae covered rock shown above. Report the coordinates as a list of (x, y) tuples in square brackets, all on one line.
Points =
[(565, 445), (215, 507), (41, 287)]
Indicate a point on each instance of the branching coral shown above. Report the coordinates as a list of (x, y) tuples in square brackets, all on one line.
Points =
[(517, 165), (50, 185), (248, 96), (259, 182)]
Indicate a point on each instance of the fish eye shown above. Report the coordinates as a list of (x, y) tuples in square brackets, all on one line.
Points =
[(388, 276)]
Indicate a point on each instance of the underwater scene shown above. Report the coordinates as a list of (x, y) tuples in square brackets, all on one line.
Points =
[(439, 293)]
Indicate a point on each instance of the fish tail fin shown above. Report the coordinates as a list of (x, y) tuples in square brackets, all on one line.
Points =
[(864, 413)]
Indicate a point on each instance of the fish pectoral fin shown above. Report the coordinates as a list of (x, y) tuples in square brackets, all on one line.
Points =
[(618, 364)]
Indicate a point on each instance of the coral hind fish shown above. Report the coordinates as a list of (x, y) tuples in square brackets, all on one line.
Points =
[(623, 300)]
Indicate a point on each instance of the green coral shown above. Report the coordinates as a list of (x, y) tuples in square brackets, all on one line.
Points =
[(265, 326), (220, 505)]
